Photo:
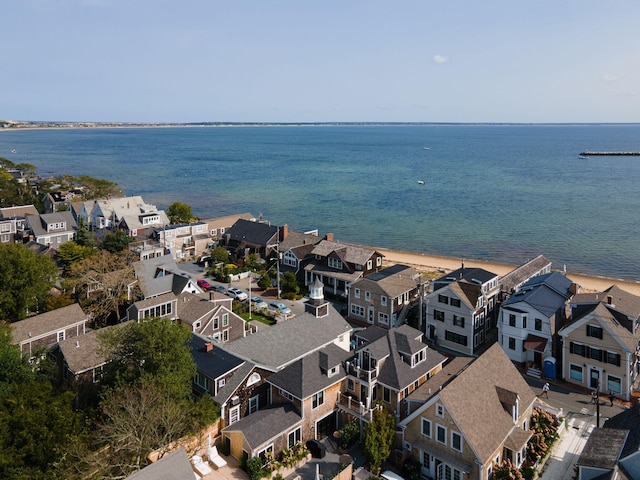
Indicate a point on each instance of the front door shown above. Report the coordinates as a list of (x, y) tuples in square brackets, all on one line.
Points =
[(327, 425), (594, 378)]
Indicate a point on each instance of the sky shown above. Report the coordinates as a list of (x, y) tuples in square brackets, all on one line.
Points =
[(320, 61)]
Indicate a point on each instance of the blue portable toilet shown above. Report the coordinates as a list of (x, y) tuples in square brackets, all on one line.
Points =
[(550, 368)]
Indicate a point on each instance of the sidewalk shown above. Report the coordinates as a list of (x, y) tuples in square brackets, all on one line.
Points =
[(566, 451)]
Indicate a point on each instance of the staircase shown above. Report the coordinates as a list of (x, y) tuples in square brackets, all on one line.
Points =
[(403, 314)]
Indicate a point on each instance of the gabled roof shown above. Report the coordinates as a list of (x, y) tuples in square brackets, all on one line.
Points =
[(348, 253), (308, 376), (160, 275), (545, 293), (19, 211), (38, 223), (277, 346), (48, 322), (193, 306), (214, 363), (395, 280), (299, 239), (255, 233), (617, 299), (266, 424), (133, 220), (173, 466), (470, 274), (627, 420), (394, 372), (232, 384), (84, 352), (603, 448), (617, 323), (477, 400), (511, 280), (467, 292)]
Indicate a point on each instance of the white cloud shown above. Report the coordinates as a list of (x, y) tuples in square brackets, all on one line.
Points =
[(440, 59), (609, 77)]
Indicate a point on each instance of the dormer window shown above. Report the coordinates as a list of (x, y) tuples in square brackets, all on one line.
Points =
[(333, 371), (335, 263), (516, 412)]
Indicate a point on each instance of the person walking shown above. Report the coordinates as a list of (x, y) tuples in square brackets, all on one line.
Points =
[(612, 397), (594, 396), (545, 390)]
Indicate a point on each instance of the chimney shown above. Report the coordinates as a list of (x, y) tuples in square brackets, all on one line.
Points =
[(284, 232), (208, 347), (329, 237)]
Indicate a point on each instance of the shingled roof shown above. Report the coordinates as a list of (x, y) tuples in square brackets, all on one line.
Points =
[(43, 324), (265, 424)]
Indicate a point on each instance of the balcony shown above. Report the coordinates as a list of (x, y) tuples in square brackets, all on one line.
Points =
[(354, 406), (361, 374)]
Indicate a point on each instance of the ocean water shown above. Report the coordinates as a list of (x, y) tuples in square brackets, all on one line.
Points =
[(491, 192)]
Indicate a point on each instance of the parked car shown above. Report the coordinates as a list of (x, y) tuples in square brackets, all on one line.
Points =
[(258, 303), (203, 284), (280, 308), (238, 294)]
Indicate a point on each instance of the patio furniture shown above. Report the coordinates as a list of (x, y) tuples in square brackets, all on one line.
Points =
[(200, 466), (215, 458)]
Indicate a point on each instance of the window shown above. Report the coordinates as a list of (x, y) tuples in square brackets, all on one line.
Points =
[(575, 372), (378, 261), (426, 427), (594, 353), (367, 296), (512, 320), (61, 335), (369, 264), (443, 299), (294, 437), (335, 263), (221, 383), (426, 460), (455, 338), (254, 378), (594, 331), (202, 381), (350, 385), (577, 349), (538, 325), (357, 310), (455, 302), (440, 410), (383, 318), (458, 321), (225, 320), (456, 441), (317, 400), (438, 315), (356, 292), (225, 335), (524, 322), (383, 301), (254, 404), (216, 323), (285, 394), (386, 394), (612, 358), (234, 414), (614, 384), (441, 434), (512, 343)]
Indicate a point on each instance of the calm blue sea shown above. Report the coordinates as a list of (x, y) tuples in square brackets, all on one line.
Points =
[(491, 192)]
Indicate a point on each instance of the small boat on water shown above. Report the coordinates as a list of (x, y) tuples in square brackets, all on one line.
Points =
[(420, 182), (14, 151), (583, 156), (426, 148)]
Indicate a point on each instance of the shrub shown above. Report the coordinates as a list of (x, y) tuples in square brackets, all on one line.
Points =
[(254, 468), (349, 434)]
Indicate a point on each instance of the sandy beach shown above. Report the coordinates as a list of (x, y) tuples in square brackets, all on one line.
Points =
[(439, 265)]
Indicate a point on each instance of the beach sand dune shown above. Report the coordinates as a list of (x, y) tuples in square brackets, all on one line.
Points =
[(440, 265)]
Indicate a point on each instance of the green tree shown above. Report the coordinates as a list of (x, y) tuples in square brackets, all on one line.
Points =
[(378, 439), (15, 368), (13, 192), (179, 212), (70, 253), (115, 242), (220, 254), (84, 237), (26, 280), (289, 284), (265, 281), (93, 188), (157, 349)]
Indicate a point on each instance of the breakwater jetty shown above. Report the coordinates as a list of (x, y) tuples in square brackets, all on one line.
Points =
[(611, 154)]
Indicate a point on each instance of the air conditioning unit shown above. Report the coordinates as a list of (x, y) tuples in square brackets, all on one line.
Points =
[(235, 400)]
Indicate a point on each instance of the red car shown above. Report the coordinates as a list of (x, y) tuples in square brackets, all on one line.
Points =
[(203, 284)]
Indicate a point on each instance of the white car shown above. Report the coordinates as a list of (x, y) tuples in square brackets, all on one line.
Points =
[(280, 308), (258, 303), (238, 294)]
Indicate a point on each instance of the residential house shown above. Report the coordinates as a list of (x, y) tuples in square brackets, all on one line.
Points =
[(311, 385), (512, 281), (109, 213), (601, 342), (296, 248), (52, 229), (56, 201), (13, 221), (20, 211), (9, 229), (478, 418), (529, 321), (383, 298), (210, 315), (602, 457), (160, 275), (214, 365), (387, 366), (338, 265), (460, 309), (164, 305), (269, 351), (183, 240), (218, 226), (246, 237), (47, 329), (173, 466)]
